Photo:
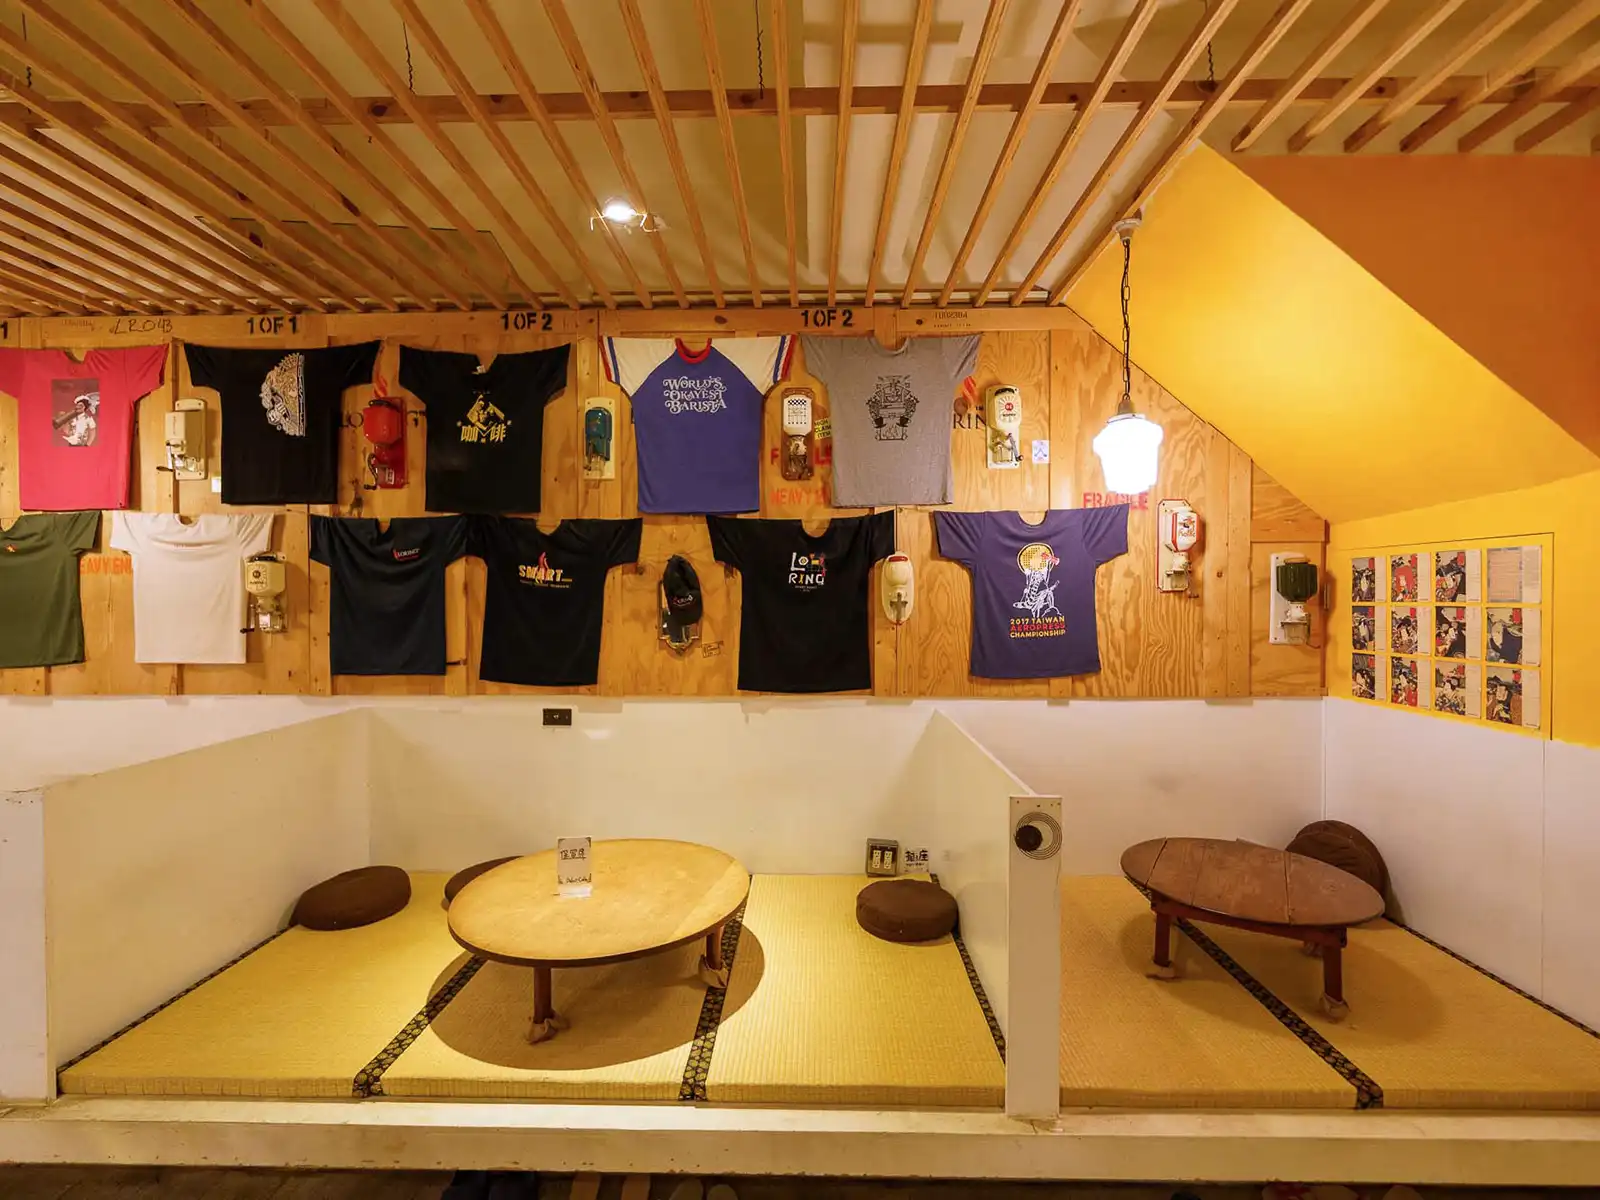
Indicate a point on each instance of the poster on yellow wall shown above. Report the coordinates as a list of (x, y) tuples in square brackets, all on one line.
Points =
[(1457, 689), (1513, 635), (1456, 575), (1512, 697), (1516, 573)]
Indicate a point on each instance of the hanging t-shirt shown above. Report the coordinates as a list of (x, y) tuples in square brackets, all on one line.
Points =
[(281, 412), (805, 622), (485, 425), (891, 413), (545, 596), (188, 583), (41, 619), (75, 422), (387, 605), (1033, 586), (697, 418)]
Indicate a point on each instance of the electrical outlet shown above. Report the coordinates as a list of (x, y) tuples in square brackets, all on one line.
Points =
[(558, 716), (883, 857), (915, 860)]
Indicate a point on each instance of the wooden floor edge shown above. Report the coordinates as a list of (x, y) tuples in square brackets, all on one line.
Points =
[(1351, 1147)]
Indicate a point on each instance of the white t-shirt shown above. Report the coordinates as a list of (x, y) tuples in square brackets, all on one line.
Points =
[(188, 583)]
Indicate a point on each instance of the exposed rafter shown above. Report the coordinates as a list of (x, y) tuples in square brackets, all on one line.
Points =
[(897, 148), (780, 60), (730, 151), (1541, 93), (1555, 123), (841, 142)]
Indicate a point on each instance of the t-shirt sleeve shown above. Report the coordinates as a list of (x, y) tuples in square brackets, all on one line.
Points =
[(416, 372), (322, 540), (880, 535), (629, 361), (144, 368), (352, 365), (124, 533), (958, 534), (1105, 532), (727, 540), (545, 376), (961, 355), (12, 367), (822, 356), (624, 541), (764, 361), (82, 531), (207, 365), (253, 533)]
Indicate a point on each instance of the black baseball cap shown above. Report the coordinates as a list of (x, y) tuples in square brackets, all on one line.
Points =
[(681, 603)]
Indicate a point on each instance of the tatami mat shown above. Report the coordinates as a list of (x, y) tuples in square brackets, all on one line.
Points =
[(1200, 1041), (1432, 1031), (299, 1017), (820, 1012), (631, 1028)]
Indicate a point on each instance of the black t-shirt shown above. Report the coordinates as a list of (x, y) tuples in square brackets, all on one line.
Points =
[(281, 412), (485, 425), (546, 596), (805, 623), (388, 591)]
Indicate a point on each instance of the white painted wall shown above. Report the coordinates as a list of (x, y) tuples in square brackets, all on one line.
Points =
[(26, 1072), (1128, 770), (157, 874), (1492, 840)]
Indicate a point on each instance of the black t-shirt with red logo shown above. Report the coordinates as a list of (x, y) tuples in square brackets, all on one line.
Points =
[(805, 621), (387, 610), (545, 596)]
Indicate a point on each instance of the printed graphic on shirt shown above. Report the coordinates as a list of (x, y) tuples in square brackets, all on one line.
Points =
[(406, 555), (543, 574), (1036, 561), (807, 572), (485, 422), (283, 395), (892, 406), (75, 411), (694, 394)]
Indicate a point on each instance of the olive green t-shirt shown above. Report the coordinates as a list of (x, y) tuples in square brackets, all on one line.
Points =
[(41, 620)]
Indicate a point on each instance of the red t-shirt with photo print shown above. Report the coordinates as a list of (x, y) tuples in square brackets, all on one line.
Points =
[(75, 422)]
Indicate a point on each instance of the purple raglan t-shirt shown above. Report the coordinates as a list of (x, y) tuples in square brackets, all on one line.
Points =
[(1033, 586), (697, 417)]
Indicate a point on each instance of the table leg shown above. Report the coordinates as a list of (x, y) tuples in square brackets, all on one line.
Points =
[(713, 971), (545, 1021), (1165, 967), (1333, 1002)]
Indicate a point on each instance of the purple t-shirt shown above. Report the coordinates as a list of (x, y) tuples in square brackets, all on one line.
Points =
[(1033, 586), (697, 417)]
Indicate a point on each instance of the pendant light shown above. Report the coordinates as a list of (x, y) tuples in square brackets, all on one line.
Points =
[(1128, 447)]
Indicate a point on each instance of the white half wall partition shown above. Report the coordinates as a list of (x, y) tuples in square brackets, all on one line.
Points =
[(157, 874), (26, 1072)]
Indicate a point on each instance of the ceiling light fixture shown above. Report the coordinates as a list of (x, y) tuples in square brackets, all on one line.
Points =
[(1128, 447), (620, 214)]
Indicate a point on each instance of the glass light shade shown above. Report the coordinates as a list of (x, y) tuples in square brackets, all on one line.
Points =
[(1128, 450)]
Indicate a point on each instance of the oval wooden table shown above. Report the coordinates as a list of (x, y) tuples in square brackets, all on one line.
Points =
[(647, 896), (1253, 887)]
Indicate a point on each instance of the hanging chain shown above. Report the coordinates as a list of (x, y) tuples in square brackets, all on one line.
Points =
[(1127, 338), (411, 74), (1211, 62), (761, 78), (28, 68)]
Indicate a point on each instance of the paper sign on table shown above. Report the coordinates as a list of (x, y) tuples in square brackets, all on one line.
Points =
[(574, 869)]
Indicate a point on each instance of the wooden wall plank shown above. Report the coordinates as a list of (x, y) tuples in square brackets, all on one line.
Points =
[(1240, 484)]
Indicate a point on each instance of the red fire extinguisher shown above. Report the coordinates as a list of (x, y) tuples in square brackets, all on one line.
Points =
[(383, 424)]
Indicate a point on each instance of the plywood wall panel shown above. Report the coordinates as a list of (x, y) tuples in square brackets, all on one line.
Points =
[(1210, 641)]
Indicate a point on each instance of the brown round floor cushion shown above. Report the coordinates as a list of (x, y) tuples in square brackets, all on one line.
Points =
[(467, 874), (1346, 847), (905, 910), (353, 898)]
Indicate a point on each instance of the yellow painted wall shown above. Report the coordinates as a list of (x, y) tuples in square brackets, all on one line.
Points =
[(1565, 511), (1326, 378)]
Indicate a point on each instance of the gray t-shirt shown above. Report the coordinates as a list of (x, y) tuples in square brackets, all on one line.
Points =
[(891, 413)]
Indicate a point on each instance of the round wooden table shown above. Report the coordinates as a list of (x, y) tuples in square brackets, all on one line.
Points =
[(1246, 886), (647, 896)]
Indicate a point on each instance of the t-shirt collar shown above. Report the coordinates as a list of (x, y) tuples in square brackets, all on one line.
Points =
[(693, 356)]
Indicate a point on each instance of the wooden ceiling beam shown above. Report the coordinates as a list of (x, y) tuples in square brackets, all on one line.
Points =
[(1060, 34), (1539, 94), (75, 271), (307, 288), (1204, 31), (1566, 25), (1432, 16), (1270, 34), (382, 283), (1132, 30), (915, 61), (237, 58), (355, 114), (36, 302), (355, 37), (15, 304), (971, 90), (1474, 42), (433, 45), (40, 286), (661, 110), (67, 244), (841, 138), (730, 151), (1555, 123), (1293, 88), (780, 60), (580, 66)]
